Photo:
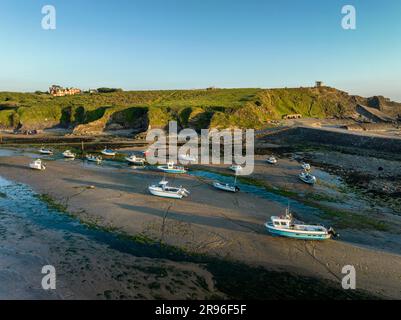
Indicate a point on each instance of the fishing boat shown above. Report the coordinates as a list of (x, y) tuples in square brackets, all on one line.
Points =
[(307, 177), (187, 158), (271, 160), (37, 165), (163, 190), (236, 168), (108, 152), (135, 160), (286, 226), (305, 166), (68, 154), (92, 158), (172, 168), (45, 151)]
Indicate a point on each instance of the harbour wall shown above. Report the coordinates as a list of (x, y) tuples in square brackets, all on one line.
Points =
[(336, 137)]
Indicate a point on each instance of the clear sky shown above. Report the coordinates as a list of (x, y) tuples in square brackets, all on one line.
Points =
[(171, 44)]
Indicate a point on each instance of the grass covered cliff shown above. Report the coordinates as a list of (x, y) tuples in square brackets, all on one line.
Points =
[(218, 108)]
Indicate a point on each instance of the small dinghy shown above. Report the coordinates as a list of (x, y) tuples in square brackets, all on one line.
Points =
[(108, 152), (271, 160), (133, 159), (172, 168), (306, 166), (69, 155), (92, 158), (37, 165), (45, 151), (307, 177), (226, 187), (286, 226), (163, 190), (236, 168)]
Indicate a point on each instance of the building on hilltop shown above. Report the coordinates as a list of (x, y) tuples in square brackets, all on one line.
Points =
[(292, 116), (58, 91), (318, 84)]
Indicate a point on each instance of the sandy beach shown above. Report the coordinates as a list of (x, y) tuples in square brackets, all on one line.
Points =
[(209, 222)]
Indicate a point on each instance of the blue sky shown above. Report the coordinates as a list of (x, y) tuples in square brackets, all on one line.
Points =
[(170, 44)]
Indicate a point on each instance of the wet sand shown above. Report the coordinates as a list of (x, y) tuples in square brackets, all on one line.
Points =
[(208, 221), (89, 263), (359, 218)]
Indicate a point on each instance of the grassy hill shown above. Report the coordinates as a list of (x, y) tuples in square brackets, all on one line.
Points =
[(246, 108)]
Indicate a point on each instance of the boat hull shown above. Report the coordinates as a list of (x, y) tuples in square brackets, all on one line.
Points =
[(311, 182), (93, 160), (164, 194), (69, 155), (296, 234), (226, 188), (176, 171), (38, 168), (135, 162)]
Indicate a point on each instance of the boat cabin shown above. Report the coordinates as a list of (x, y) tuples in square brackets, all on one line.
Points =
[(163, 184), (282, 222)]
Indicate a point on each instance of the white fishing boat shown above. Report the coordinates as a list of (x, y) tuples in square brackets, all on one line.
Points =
[(133, 159), (236, 168), (68, 154), (271, 160), (163, 190), (92, 158), (187, 158), (108, 152), (286, 226), (306, 166), (37, 165), (172, 168), (307, 177), (226, 186), (45, 151)]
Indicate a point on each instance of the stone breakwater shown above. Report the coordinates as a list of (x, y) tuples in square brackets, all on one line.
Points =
[(337, 138)]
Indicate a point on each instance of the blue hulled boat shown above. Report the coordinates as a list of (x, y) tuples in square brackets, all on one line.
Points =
[(108, 152)]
